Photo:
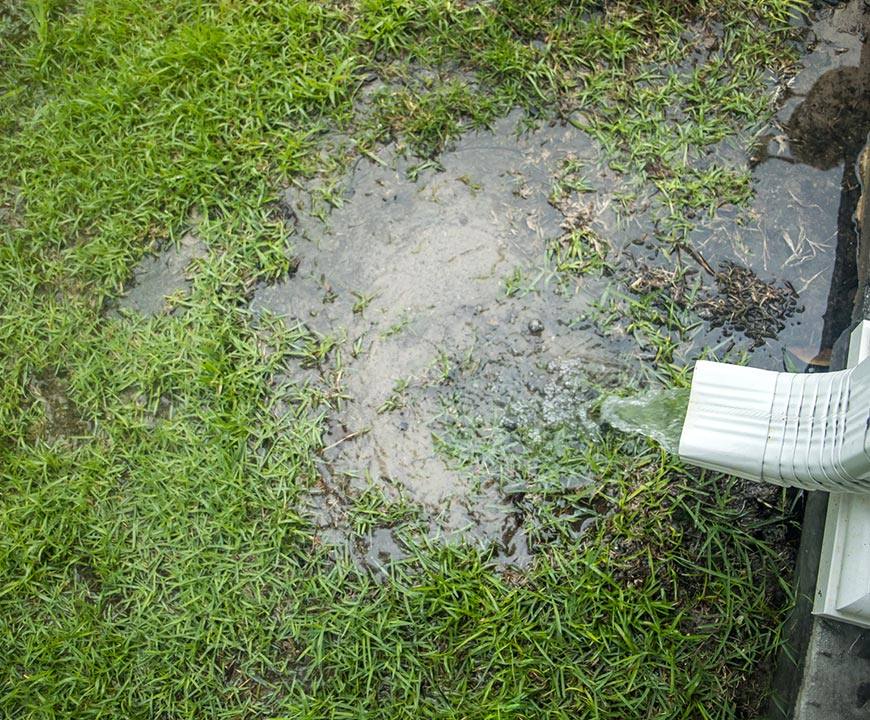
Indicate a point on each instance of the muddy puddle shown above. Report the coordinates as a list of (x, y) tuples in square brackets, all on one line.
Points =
[(799, 229), (415, 276), (465, 359), (58, 419)]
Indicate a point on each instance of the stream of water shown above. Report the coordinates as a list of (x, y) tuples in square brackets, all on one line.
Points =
[(658, 414)]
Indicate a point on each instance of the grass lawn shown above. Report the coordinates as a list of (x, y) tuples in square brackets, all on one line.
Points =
[(155, 560)]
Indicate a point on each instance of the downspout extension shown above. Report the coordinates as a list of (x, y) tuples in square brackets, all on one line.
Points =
[(796, 430)]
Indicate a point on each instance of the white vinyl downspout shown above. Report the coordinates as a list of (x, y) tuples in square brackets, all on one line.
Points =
[(792, 429), (798, 430)]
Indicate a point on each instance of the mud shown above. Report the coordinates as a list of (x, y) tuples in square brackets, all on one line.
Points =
[(159, 278), (58, 419)]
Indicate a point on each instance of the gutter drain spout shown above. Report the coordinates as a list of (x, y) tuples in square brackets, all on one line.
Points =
[(806, 431)]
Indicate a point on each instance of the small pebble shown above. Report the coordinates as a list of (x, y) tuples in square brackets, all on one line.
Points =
[(536, 327)]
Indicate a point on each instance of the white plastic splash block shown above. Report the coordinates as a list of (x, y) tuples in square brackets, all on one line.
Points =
[(843, 586)]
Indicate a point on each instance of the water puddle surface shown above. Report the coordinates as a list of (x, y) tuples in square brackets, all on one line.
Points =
[(799, 227), (59, 419), (414, 275)]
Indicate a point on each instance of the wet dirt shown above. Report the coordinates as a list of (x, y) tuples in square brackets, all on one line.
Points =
[(464, 358), (59, 419), (158, 278)]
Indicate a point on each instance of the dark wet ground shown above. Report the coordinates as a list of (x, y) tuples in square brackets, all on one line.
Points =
[(57, 419), (159, 278), (464, 358)]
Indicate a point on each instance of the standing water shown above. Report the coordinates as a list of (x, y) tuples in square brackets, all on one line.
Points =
[(658, 414)]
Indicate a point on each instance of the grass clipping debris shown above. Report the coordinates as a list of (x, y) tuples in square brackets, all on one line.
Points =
[(746, 303)]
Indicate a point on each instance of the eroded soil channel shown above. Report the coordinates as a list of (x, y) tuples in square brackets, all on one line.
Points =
[(466, 359)]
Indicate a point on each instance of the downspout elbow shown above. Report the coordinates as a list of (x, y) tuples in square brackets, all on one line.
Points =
[(807, 431)]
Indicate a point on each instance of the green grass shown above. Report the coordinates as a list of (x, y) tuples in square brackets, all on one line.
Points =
[(159, 563)]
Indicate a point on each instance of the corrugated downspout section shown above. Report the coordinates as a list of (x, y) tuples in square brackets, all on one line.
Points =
[(808, 431)]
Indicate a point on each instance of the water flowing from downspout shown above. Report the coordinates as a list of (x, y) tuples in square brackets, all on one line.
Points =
[(658, 414)]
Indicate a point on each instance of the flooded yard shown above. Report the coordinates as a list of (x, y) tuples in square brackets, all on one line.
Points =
[(307, 357), (445, 286)]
